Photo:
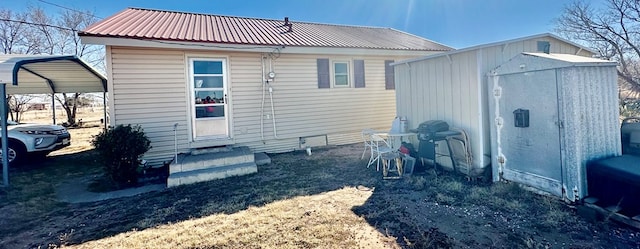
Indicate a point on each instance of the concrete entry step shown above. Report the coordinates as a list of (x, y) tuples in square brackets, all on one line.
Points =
[(200, 161), (262, 158), (210, 164), (209, 174)]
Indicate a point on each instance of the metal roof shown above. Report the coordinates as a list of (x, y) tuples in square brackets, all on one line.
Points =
[(147, 24), (529, 62), (571, 58), (478, 47), (37, 74)]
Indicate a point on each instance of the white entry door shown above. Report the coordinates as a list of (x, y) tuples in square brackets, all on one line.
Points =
[(209, 108)]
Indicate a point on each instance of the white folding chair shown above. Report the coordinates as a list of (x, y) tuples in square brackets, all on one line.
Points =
[(382, 150), (368, 144)]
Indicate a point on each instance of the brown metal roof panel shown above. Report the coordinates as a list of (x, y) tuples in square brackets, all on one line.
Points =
[(161, 31), (238, 33), (146, 29), (208, 28), (258, 30), (134, 21), (153, 30), (225, 34), (238, 30), (176, 27), (187, 28)]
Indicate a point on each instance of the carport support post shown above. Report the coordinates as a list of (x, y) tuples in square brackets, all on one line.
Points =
[(53, 106), (4, 139)]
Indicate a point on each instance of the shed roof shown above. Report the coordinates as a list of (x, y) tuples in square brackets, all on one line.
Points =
[(527, 62), (148, 24), (481, 46), (37, 74), (569, 58)]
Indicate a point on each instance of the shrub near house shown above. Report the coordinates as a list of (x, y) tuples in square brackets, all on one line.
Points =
[(120, 148)]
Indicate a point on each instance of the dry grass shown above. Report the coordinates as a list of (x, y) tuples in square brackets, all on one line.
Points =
[(317, 221)]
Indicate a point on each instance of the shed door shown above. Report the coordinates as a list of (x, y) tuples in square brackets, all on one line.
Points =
[(208, 80), (533, 153)]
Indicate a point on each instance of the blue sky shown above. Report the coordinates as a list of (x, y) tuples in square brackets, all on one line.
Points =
[(456, 23)]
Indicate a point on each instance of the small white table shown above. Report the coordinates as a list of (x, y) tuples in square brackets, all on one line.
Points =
[(392, 140), (394, 136)]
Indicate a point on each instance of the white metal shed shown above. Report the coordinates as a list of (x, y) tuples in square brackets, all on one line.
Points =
[(550, 114), (452, 86)]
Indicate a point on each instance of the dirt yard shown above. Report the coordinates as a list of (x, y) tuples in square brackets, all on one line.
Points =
[(327, 200)]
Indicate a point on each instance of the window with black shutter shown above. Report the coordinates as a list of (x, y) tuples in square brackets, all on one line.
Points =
[(389, 75), (358, 73), (324, 77)]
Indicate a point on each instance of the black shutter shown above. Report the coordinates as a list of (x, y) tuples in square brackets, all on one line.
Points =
[(324, 78), (358, 73), (389, 75)]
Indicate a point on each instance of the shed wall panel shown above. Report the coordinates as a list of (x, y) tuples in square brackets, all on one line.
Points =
[(590, 112), (453, 88)]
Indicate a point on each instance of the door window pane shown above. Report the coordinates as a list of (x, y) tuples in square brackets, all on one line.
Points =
[(207, 82), (207, 67), (209, 97), (210, 111)]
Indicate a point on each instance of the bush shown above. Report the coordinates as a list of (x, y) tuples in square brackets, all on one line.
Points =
[(120, 148)]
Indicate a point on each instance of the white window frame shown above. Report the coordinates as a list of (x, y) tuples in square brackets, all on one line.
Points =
[(192, 76), (333, 74)]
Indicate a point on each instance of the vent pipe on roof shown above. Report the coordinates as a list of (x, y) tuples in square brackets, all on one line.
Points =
[(286, 20)]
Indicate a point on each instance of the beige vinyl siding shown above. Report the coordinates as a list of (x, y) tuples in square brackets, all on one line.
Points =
[(453, 88), (150, 88), (304, 110)]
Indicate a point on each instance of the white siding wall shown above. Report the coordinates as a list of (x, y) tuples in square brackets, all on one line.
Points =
[(453, 88), (149, 87)]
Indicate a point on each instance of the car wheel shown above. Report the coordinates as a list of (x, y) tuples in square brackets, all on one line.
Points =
[(16, 152)]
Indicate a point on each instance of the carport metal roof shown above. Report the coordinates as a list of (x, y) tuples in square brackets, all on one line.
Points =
[(38, 74), (42, 74)]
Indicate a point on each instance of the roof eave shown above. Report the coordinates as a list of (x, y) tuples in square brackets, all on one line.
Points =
[(181, 44)]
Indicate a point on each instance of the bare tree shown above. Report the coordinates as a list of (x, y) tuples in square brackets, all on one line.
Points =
[(613, 31), (70, 106), (47, 35), (74, 21), (11, 32), (18, 104)]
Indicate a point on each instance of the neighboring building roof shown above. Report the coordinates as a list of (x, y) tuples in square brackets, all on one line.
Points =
[(477, 47), (27, 74), (147, 24)]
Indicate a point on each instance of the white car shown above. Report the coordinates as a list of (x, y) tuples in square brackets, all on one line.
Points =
[(34, 139)]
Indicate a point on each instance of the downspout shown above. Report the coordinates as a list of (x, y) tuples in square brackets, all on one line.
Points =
[(104, 109), (264, 80), (273, 111)]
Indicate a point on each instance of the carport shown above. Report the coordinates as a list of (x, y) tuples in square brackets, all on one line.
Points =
[(43, 74)]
